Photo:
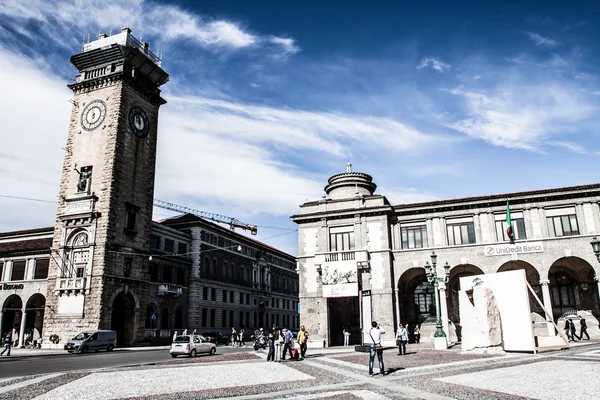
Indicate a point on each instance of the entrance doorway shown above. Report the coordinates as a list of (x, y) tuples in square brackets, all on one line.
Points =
[(11, 316), (122, 318), (343, 311)]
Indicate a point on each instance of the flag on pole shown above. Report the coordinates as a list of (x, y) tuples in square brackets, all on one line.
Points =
[(509, 230)]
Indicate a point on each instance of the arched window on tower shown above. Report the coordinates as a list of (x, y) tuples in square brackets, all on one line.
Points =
[(76, 256)]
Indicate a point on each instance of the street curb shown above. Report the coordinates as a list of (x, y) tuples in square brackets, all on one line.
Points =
[(66, 354)]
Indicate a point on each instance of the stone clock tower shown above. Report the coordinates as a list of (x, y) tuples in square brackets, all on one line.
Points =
[(98, 274)]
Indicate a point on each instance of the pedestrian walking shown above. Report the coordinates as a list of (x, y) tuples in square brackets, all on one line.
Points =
[(346, 333), (583, 328), (278, 339), (287, 343), (375, 335), (567, 330), (241, 341), (271, 345), (175, 335), (234, 337), (417, 333), (302, 339), (401, 339), (573, 330), (7, 343)]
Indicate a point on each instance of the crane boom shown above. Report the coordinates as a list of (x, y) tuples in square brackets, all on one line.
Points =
[(232, 222)]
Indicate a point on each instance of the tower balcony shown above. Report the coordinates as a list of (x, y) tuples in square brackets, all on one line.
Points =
[(70, 285), (168, 288), (349, 256)]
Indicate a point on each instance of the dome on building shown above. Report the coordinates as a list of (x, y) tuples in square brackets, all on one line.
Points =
[(350, 184)]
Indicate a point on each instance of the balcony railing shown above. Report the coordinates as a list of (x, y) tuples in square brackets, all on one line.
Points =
[(338, 256), (70, 284), (167, 288)]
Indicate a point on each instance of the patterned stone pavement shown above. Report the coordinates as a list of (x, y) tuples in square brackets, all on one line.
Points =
[(330, 375)]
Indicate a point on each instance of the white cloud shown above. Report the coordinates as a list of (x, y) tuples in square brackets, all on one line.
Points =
[(523, 115), (35, 118), (540, 40), (434, 63), (240, 152), (406, 195), (573, 147), (77, 18), (287, 44)]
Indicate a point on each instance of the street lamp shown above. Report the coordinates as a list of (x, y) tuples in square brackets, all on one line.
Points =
[(596, 246), (433, 279)]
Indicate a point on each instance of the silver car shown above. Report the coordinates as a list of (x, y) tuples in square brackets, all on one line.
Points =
[(191, 345), (92, 341)]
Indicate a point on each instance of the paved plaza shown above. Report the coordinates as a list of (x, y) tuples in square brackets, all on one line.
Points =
[(330, 374)]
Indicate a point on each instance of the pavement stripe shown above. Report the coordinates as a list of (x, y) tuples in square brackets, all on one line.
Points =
[(28, 382), (382, 382)]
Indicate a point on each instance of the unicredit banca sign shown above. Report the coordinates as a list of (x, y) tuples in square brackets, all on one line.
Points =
[(518, 248)]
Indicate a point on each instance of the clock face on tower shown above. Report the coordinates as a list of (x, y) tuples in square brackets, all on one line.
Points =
[(138, 122), (93, 115)]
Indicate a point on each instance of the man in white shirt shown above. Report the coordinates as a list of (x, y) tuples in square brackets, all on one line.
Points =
[(373, 335)]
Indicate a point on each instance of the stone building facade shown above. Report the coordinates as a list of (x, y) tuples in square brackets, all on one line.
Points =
[(105, 264), (387, 247)]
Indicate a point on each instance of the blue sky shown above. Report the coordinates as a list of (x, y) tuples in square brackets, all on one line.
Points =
[(268, 99)]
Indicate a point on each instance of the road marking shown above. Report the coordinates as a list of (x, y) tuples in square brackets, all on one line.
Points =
[(27, 382)]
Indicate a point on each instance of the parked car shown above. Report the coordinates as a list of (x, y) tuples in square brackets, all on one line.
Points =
[(92, 341), (217, 338), (191, 345)]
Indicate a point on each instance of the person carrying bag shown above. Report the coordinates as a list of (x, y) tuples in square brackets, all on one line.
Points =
[(375, 333)]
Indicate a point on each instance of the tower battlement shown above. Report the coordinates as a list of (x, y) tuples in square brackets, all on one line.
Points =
[(126, 39)]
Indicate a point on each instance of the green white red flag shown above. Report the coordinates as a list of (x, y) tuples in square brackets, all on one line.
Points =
[(509, 230)]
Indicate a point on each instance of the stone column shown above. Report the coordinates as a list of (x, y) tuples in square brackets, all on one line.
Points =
[(398, 315), (22, 329), (1, 319), (597, 279), (583, 229), (444, 311), (548, 305), (477, 226)]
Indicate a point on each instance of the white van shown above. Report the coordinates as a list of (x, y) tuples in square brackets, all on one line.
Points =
[(92, 341)]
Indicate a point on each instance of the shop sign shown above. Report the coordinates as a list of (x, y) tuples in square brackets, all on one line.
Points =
[(12, 286), (519, 248)]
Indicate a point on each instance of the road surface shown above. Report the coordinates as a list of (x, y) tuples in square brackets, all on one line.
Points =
[(35, 365)]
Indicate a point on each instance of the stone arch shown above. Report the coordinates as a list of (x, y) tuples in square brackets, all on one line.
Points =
[(123, 318), (34, 319), (533, 278), (78, 238), (77, 253), (572, 286), (453, 287), (178, 318), (415, 295), (151, 308), (165, 318), (11, 315)]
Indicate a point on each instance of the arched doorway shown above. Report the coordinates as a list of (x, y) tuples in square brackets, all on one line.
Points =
[(164, 319), (456, 273), (572, 286), (11, 315), (34, 319), (178, 318), (533, 278), (123, 318), (150, 313), (416, 297)]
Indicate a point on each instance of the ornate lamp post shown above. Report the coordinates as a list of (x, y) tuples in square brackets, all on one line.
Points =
[(596, 246), (440, 341)]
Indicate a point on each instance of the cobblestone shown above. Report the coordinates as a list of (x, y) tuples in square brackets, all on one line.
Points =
[(425, 374)]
